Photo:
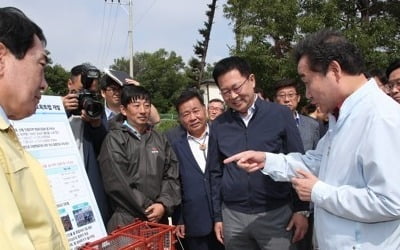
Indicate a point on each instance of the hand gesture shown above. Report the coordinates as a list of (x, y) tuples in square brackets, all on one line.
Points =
[(250, 161), (303, 184)]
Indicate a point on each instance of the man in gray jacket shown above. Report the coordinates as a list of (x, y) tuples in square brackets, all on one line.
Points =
[(138, 166), (286, 93)]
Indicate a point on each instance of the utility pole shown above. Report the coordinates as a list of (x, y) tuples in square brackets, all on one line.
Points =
[(130, 33)]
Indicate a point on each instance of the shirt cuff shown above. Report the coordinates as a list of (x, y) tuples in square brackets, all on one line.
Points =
[(320, 191), (274, 165)]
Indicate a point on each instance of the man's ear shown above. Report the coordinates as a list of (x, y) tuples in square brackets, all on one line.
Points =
[(3, 53), (70, 84), (122, 109), (103, 93), (336, 69)]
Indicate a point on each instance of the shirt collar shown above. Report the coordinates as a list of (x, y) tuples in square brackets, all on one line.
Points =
[(130, 127), (251, 109), (108, 111), (296, 117), (296, 114), (4, 121), (355, 97), (206, 132)]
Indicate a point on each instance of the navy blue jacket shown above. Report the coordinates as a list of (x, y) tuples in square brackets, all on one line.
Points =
[(195, 211), (272, 129), (91, 143)]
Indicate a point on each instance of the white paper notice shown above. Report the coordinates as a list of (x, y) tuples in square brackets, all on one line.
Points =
[(47, 135)]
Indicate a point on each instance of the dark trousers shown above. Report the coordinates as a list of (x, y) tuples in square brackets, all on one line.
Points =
[(208, 242)]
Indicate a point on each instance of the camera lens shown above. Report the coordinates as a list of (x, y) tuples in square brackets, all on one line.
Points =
[(93, 108)]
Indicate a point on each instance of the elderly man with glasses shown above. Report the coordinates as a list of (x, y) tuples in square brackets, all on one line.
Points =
[(215, 108), (393, 85), (251, 211)]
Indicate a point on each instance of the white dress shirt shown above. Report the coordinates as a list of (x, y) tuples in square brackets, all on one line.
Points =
[(199, 154), (357, 197)]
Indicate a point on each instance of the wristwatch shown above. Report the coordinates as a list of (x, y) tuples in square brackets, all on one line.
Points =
[(305, 213)]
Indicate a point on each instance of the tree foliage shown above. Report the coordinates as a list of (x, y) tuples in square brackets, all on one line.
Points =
[(56, 77), (266, 31), (161, 72)]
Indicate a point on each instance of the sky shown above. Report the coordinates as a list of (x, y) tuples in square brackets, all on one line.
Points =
[(96, 31)]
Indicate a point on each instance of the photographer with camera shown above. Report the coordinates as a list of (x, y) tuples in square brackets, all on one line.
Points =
[(84, 109)]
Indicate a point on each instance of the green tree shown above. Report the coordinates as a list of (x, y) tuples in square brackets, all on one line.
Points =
[(266, 31), (56, 77), (373, 25), (161, 72), (192, 71), (264, 36)]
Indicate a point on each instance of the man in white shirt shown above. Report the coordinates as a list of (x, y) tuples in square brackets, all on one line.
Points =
[(352, 175)]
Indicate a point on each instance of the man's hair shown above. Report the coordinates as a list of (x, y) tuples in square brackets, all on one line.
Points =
[(380, 74), (186, 95), (131, 93), (284, 83), (17, 31), (260, 91), (216, 100), (308, 109), (325, 46), (77, 70), (229, 64), (392, 67)]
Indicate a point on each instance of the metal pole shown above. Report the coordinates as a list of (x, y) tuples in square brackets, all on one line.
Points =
[(130, 32)]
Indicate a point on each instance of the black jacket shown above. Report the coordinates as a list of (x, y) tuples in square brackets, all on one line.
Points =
[(272, 129), (138, 173)]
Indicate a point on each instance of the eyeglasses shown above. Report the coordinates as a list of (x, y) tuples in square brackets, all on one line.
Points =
[(393, 83), (290, 96), (215, 108), (113, 89), (227, 92)]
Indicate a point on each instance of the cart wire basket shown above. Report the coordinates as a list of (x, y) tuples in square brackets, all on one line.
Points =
[(117, 242), (140, 235)]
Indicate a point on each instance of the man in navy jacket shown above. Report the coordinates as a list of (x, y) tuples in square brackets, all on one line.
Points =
[(251, 211), (195, 221)]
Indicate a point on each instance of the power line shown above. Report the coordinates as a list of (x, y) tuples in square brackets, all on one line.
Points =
[(99, 58), (112, 35), (130, 32)]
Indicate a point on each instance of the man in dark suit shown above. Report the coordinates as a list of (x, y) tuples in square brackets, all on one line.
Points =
[(195, 222), (286, 93)]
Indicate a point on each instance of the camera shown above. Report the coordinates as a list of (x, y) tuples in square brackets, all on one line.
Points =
[(88, 100)]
